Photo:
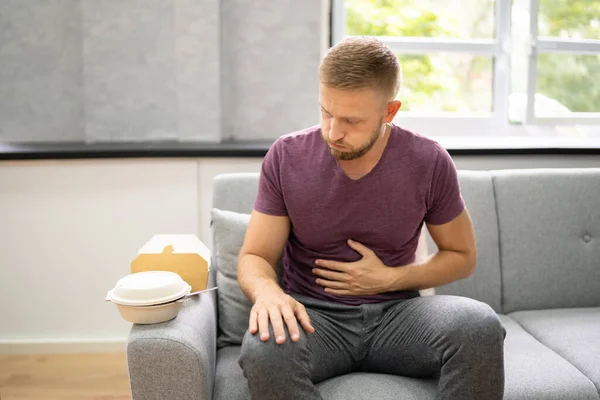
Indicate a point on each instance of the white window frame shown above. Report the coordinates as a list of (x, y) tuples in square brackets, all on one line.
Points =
[(552, 45), (495, 123)]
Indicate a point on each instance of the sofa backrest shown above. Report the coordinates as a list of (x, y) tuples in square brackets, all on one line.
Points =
[(537, 233), (549, 230), (485, 283), (235, 191)]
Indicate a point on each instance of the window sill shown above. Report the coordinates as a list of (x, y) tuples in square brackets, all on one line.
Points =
[(463, 146), (81, 150)]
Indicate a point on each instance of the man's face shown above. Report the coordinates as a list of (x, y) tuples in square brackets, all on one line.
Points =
[(351, 120)]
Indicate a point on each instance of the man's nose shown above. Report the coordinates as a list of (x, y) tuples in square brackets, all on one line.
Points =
[(335, 131)]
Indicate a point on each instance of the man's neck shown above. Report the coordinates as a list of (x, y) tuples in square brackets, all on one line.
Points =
[(356, 169)]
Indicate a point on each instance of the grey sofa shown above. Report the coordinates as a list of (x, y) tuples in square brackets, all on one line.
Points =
[(538, 240)]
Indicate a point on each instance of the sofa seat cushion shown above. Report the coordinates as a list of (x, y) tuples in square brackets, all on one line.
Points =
[(367, 386), (230, 383), (573, 333), (533, 371)]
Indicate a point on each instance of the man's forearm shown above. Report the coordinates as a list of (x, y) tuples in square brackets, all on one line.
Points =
[(255, 274), (441, 268)]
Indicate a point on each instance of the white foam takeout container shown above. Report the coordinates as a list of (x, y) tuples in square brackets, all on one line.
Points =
[(149, 297)]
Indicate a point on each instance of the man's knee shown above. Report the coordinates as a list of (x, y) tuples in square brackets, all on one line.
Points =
[(269, 355), (475, 322)]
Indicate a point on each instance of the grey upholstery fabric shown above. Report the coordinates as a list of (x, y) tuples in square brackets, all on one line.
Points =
[(229, 229), (175, 359), (235, 192), (362, 386), (533, 371), (549, 238), (574, 334), (230, 383), (484, 284)]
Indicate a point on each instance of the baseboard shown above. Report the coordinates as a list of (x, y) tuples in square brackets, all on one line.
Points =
[(48, 346)]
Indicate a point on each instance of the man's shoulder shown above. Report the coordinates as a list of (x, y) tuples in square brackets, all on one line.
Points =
[(418, 146), (299, 139), (296, 145)]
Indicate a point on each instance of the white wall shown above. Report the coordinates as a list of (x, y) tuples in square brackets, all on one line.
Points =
[(69, 229)]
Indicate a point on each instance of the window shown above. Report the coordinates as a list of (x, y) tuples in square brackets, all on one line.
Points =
[(489, 68)]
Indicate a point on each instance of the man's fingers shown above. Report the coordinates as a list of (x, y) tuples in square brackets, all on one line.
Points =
[(277, 323), (303, 318), (291, 323), (253, 323), (334, 265), (331, 284), (331, 275), (359, 248), (263, 324)]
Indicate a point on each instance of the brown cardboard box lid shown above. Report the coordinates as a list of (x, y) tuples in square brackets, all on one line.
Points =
[(183, 254)]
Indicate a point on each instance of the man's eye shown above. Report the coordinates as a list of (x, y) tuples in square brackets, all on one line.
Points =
[(352, 122)]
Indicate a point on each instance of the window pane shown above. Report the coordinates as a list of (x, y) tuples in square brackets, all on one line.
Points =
[(565, 83), (569, 80), (421, 18), (574, 19), (446, 82)]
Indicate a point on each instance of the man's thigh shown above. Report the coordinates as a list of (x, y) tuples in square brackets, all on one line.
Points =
[(412, 337), (335, 345)]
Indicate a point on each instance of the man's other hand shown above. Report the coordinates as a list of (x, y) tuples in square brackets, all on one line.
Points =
[(278, 307)]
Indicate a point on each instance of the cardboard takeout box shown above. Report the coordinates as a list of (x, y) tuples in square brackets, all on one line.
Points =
[(183, 254)]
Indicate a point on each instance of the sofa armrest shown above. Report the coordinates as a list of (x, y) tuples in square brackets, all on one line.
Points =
[(175, 359)]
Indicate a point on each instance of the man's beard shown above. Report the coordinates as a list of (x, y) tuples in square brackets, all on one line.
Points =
[(357, 153)]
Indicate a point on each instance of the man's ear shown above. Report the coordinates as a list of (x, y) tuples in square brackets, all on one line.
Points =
[(392, 110)]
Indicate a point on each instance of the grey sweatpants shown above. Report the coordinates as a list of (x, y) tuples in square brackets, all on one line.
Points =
[(456, 339)]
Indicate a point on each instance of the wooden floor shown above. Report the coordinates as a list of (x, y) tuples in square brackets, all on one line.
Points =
[(64, 377)]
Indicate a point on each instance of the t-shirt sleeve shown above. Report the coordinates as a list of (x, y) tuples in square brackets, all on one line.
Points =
[(445, 201), (269, 199)]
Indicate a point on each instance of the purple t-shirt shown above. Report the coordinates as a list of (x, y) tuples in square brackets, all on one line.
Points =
[(415, 181)]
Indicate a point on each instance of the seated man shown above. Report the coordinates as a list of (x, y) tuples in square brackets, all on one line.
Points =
[(344, 202)]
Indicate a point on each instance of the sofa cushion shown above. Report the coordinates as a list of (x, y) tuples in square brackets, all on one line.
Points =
[(533, 372), (574, 334), (484, 284), (230, 383), (367, 386), (229, 229), (549, 224)]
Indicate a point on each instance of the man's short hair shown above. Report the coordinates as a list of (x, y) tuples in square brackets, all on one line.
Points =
[(361, 63)]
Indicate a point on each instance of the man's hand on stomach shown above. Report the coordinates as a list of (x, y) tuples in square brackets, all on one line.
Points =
[(367, 276)]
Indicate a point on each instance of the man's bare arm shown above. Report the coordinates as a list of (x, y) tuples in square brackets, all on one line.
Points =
[(456, 258), (265, 240), (263, 245)]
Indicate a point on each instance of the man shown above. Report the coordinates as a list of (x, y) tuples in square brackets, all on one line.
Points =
[(345, 203)]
